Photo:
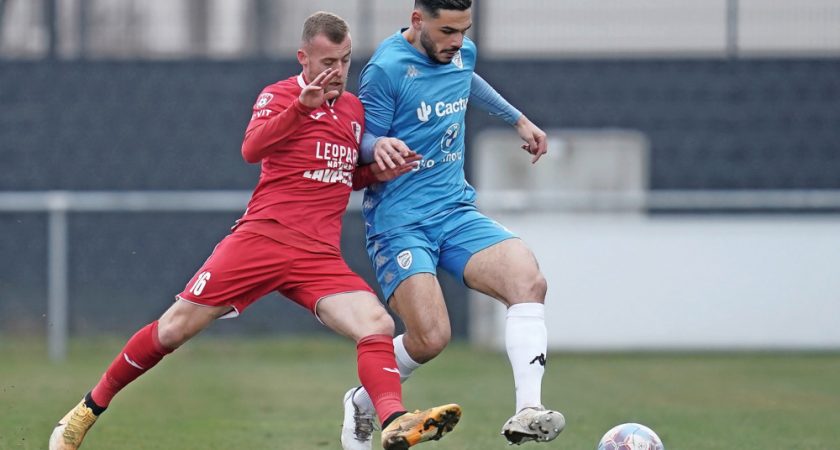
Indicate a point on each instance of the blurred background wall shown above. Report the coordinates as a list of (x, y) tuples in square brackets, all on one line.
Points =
[(687, 137)]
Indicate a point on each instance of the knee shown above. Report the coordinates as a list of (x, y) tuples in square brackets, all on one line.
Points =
[(430, 343), (382, 323), (172, 333), (539, 287), (530, 287)]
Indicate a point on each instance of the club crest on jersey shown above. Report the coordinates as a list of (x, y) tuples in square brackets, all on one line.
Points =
[(404, 259), (357, 131), (263, 100), (459, 63)]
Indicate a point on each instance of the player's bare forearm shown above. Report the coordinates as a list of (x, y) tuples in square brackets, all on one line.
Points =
[(371, 173), (536, 142)]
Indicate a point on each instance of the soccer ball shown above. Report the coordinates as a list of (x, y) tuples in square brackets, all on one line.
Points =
[(630, 436)]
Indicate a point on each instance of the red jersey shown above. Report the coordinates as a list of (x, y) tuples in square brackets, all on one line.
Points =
[(308, 159)]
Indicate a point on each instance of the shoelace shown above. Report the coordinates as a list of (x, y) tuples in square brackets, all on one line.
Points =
[(81, 419), (365, 425)]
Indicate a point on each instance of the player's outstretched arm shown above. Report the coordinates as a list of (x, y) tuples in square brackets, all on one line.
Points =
[(483, 95), (535, 139), (372, 173)]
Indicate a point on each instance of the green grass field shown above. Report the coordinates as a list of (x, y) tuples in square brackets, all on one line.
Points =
[(286, 394)]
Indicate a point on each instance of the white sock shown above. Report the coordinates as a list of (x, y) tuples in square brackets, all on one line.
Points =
[(406, 366), (526, 341)]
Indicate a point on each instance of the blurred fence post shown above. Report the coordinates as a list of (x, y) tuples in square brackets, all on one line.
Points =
[(477, 28), (365, 26), (82, 27), (51, 22), (262, 26), (2, 10), (57, 284), (732, 28), (198, 25)]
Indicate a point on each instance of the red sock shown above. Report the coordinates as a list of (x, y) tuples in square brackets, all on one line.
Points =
[(379, 375), (142, 352)]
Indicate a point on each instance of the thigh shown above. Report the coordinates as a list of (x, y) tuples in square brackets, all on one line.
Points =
[(466, 233), (242, 268), (419, 303), (400, 254), (315, 276), (354, 315), (506, 271), (183, 320)]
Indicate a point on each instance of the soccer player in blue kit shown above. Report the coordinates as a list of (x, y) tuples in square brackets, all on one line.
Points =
[(415, 90)]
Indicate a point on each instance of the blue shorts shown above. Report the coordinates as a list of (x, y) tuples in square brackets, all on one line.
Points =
[(448, 239)]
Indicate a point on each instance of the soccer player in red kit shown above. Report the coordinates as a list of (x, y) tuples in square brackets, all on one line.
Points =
[(306, 131)]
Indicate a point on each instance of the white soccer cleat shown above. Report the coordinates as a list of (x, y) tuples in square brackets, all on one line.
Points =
[(533, 424), (358, 426)]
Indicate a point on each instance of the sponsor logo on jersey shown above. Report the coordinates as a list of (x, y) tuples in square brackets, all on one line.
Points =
[(340, 161), (261, 113), (404, 259), (424, 111), (441, 109), (449, 137), (330, 176), (459, 63), (263, 100), (337, 155)]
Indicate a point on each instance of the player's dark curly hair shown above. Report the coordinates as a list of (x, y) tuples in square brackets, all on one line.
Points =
[(433, 6)]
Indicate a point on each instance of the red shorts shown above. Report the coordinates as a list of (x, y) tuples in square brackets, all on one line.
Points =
[(245, 266)]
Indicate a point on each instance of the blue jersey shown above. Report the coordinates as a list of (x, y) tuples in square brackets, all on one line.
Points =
[(408, 96)]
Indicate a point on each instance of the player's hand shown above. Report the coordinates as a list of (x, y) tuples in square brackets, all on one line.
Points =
[(409, 163), (390, 153), (313, 95), (535, 139)]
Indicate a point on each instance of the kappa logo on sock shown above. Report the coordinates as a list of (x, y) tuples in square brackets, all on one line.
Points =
[(540, 359)]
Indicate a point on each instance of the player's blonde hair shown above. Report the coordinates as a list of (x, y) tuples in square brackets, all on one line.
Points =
[(330, 25)]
